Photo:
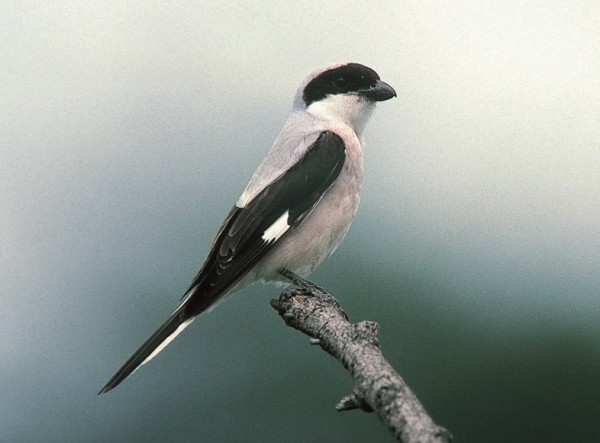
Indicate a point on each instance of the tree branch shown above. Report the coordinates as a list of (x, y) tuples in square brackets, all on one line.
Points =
[(378, 387)]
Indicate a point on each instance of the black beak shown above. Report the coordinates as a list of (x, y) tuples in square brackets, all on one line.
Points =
[(379, 92)]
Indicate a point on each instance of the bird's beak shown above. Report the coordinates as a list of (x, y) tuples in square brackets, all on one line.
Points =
[(379, 92)]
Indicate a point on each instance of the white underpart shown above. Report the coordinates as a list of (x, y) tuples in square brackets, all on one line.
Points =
[(350, 109), (168, 340), (277, 229)]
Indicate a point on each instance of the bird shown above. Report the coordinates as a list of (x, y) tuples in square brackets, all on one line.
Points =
[(297, 206)]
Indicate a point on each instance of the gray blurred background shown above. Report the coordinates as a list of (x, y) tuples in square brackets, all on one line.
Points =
[(127, 131)]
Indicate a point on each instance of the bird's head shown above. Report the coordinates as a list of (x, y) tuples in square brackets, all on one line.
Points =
[(344, 93)]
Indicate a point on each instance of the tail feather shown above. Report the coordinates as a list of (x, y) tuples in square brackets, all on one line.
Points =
[(164, 335)]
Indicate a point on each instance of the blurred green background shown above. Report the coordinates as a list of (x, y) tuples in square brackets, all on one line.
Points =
[(127, 131)]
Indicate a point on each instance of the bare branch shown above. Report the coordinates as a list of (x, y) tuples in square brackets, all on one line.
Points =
[(378, 387)]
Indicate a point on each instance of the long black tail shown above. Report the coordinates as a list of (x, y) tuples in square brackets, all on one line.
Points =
[(164, 335)]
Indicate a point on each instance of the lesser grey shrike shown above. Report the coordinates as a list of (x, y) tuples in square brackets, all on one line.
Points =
[(298, 205)]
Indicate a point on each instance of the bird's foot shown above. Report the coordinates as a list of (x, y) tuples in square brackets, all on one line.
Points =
[(311, 288), (301, 282)]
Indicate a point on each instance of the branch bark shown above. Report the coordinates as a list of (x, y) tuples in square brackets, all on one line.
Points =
[(378, 387)]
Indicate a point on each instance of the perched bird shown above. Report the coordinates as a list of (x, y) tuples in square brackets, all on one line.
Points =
[(298, 205)]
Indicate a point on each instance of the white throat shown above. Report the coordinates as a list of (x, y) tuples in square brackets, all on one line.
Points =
[(349, 109)]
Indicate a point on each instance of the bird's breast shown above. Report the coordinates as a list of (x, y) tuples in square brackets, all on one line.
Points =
[(322, 231)]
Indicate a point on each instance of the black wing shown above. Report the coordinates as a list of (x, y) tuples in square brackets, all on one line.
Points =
[(241, 243)]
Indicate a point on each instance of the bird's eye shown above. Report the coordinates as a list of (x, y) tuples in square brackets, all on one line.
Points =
[(340, 82)]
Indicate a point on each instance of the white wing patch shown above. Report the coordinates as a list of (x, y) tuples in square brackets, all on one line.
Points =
[(277, 229), (168, 340)]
